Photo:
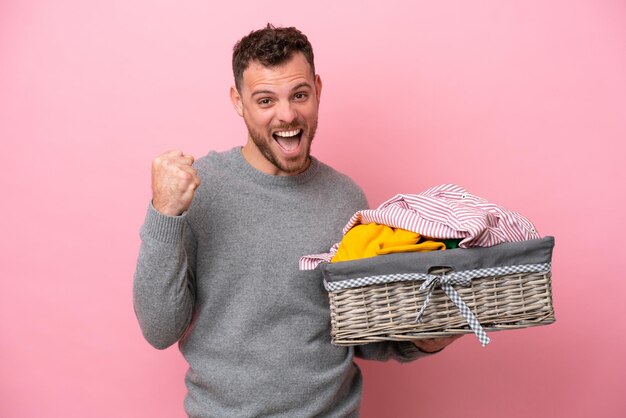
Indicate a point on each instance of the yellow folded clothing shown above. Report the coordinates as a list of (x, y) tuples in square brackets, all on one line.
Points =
[(369, 240)]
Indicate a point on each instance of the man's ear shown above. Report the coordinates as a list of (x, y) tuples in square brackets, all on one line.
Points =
[(318, 87), (235, 98)]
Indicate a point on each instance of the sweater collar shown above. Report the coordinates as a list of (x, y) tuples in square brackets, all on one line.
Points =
[(242, 166)]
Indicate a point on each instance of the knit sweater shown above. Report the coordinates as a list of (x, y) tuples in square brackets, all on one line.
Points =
[(223, 281)]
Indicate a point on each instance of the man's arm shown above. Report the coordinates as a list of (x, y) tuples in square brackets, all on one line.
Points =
[(164, 283)]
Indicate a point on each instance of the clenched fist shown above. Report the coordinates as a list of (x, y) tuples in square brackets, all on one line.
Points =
[(174, 182)]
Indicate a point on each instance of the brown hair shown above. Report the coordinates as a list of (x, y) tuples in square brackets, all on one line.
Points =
[(270, 46)]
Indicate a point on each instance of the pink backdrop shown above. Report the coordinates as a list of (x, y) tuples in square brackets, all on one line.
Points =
[(523, 103)]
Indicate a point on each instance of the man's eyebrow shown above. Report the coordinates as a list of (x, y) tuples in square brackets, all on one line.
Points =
[(268, 92), (300, 85), (294, 88)]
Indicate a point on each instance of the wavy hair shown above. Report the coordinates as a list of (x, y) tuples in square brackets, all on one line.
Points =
[(270, 46)]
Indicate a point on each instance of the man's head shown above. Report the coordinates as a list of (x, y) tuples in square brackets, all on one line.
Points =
[(270, 47), (277, 93)]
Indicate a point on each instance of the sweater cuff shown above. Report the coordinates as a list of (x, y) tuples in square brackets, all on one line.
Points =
[(163, 228), (409, 350)]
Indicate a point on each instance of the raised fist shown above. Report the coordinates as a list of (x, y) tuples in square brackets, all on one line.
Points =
[(174, 182)]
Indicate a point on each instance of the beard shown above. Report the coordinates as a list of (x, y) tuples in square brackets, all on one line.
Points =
[(293, 165)]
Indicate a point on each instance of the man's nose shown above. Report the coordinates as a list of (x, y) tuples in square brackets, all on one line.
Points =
[(285, 112)]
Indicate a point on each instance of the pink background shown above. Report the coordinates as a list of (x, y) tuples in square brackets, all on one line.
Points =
[(523, 103)]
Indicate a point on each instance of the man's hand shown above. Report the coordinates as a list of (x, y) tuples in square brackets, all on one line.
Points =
[(174, 182), (432, 345)]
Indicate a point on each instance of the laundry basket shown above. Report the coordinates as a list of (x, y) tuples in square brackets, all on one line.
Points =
[(409, 296)]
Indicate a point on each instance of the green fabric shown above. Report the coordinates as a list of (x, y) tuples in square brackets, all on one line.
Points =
[(451, 243)]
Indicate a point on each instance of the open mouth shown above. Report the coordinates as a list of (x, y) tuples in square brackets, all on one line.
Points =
[(288, 140)]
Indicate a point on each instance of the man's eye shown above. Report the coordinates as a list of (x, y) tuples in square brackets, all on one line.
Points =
[(300, 96), (265, 102)]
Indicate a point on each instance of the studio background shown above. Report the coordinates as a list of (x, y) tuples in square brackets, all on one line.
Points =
[(523, 103)]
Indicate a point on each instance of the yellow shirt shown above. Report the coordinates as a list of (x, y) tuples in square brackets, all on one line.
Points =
[(369, 240)]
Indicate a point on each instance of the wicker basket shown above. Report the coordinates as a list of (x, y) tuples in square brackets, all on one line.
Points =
[(387, 309)]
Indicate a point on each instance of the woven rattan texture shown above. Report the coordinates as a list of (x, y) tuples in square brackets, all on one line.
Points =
[(388, 311)]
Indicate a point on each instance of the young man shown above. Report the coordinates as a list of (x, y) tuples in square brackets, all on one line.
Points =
[(218, 265)]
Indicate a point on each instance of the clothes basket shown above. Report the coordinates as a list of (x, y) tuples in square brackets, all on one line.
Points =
[(409, 296)]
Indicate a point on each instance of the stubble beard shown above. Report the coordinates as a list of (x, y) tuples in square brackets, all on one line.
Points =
[(291, 166)]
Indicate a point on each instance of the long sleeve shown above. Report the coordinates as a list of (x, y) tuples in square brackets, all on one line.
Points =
[(163, 288)]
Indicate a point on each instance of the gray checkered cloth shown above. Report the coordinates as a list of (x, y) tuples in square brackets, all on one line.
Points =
[(403, 277)]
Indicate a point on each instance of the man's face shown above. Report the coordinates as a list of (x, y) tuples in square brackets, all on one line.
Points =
[(279, 106)]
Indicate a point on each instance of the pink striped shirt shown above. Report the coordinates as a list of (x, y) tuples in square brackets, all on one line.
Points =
[(443, 212)]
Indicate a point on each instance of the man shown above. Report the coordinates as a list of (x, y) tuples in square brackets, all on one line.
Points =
[(218, 265)]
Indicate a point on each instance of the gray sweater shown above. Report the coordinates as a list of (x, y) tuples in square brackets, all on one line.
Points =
[(223, 280)]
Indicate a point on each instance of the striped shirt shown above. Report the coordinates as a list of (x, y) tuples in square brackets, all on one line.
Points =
[(442, 212)]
